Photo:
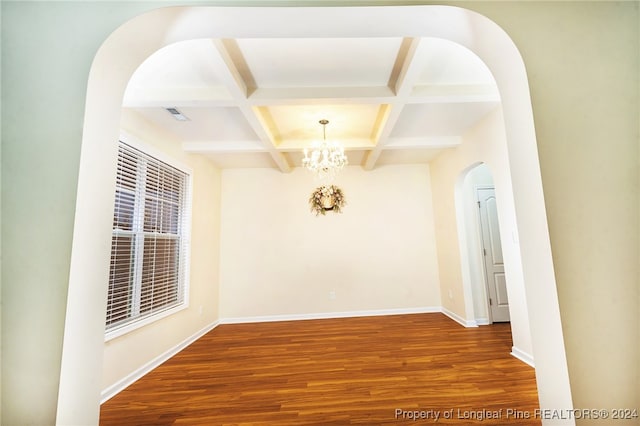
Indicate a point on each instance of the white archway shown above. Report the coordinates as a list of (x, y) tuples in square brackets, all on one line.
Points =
[(477, 175), (469, 247), (133, 42)]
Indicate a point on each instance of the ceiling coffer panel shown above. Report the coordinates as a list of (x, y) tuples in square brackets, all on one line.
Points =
[(257, 102), (316, 62), (295, 126)]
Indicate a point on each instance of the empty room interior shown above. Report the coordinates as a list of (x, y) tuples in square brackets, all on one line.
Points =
[(336, 215), (419, 118)]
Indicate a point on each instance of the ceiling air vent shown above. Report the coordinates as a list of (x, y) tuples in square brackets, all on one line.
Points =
[(177, 114)]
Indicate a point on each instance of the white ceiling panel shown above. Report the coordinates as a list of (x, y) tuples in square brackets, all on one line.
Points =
[(294, 123), (448, 63), (315, 62), (203, 124), (439, 119), (183, 64)]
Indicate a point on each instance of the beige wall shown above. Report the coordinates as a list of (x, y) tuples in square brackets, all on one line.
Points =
[(485, 143), (278, 258), (582, 62), (583, 67), (126, 354)]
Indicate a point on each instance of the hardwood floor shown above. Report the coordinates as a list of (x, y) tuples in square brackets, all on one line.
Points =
[(367, 370)]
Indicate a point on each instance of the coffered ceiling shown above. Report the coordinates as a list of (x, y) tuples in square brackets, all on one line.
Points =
[(252, 102)]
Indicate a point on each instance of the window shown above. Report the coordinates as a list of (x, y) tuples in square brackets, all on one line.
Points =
[(149, 245)]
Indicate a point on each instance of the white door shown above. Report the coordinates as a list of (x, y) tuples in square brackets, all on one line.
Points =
[(492, 252)]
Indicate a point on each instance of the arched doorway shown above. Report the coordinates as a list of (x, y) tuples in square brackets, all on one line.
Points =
[(486, 145), (476, 180), (125, 49)]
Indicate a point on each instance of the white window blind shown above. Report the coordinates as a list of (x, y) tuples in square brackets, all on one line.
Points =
[(149, 243)]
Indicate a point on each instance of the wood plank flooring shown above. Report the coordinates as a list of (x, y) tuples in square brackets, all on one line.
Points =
[(367, 371)]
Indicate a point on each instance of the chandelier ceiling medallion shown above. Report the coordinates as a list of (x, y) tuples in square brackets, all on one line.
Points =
[(326, 159)]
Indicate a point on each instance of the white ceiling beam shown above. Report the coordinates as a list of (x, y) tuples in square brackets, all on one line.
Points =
[(203, 97), (403, 78), (423, 143), (407, 68), (321, 95), (239, 90), (228, 72), (347, 144)]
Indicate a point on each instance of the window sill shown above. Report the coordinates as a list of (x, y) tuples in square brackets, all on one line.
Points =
[(120, 331)]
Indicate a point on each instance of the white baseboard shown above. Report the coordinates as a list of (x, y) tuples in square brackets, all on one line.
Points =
[(457, 318), (121, 384), (522, 356), (328, 315), (483, 321)]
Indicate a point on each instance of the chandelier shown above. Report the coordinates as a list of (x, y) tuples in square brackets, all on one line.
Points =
[(325, 158)]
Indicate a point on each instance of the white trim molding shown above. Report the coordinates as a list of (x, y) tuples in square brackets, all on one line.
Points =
[(129, 379), (328, 315), (523, 356), (483, 321), (457, 318)]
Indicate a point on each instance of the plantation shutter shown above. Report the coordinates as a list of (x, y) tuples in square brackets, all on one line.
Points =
[(148, 249)]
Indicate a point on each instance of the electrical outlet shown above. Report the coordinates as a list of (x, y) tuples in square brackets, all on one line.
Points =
[(332, 295), (450, 294)]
